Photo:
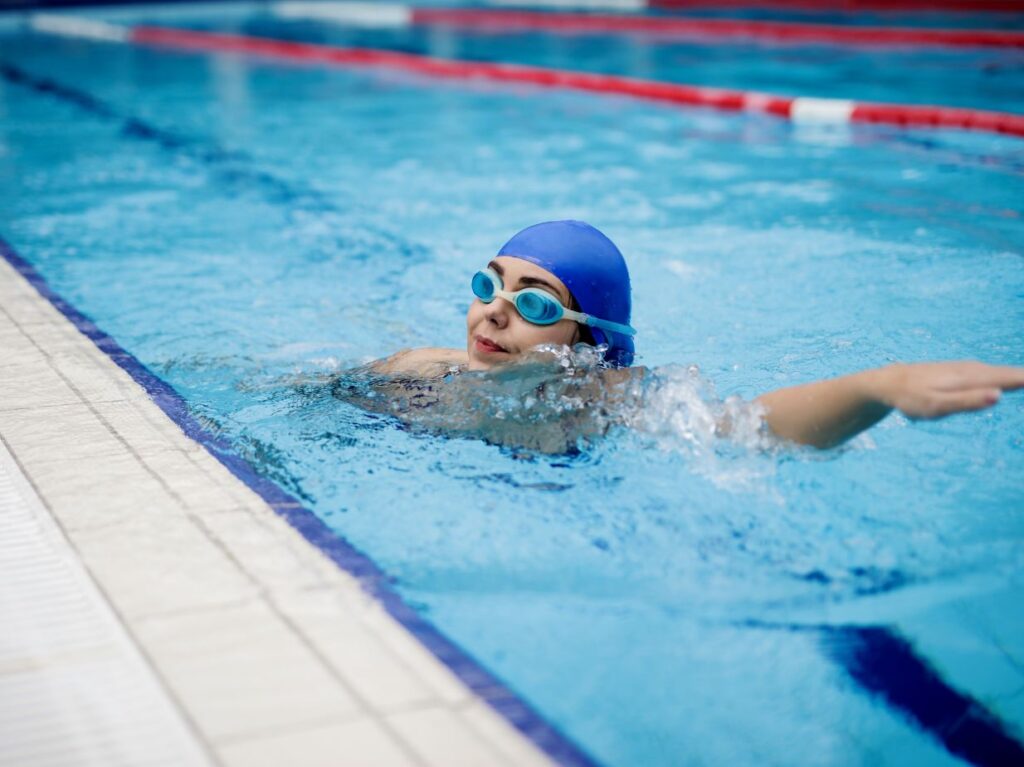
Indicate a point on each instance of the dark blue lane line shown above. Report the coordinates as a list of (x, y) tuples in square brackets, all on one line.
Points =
[(232, 167), (133, 127), (371, 577), (885, 665)]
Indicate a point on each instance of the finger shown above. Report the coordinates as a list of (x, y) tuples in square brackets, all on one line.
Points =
[(965, 401), (953, 376), (1009, 378), (1006, 377)]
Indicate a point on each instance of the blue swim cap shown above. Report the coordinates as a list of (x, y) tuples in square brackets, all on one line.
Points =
[(591, 267)]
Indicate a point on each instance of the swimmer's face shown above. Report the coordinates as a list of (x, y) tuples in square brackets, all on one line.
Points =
[(496, 333)]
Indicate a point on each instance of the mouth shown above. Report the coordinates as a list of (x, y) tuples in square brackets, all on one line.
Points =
[(487, 346)]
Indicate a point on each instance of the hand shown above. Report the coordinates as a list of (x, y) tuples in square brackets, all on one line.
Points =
[(938, 389)]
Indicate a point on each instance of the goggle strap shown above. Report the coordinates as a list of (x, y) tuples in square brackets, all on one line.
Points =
[(614, 327), (594, 322)]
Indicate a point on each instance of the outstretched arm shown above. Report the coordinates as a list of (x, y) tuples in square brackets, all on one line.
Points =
[(827, 413)]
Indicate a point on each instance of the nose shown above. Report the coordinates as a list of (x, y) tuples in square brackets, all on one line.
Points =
[(497, 312)]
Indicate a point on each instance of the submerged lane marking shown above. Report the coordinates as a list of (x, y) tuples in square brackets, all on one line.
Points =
[(197, 149), (231, 166), (885, 664)]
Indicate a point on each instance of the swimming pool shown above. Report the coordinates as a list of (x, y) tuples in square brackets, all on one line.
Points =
[(659, 597)]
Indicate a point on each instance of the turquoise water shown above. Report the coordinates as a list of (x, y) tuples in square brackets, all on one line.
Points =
[(661, 596)]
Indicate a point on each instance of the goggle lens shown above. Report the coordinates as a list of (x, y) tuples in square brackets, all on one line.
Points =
[(538, 308), (483, 287)]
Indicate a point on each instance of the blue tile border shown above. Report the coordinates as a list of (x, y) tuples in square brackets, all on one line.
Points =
[(371, 577)]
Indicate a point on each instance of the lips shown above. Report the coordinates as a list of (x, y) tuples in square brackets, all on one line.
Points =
[(487, 346)]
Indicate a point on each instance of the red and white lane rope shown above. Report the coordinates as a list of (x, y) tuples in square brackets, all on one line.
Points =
[(667, 27), (655, 26), (800, 109), (826, 6), (818, 6)]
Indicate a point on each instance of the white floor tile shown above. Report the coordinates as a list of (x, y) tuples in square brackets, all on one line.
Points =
[(127, 421), (106, 490), (441, 739), (70, 432), (267, 557), (242, 673), (362, 743), (17, 347), (30, 382), (29, 310), (12, 285), (153, 566), (438, 677), (369, 666), (505, 739), (198, 492), (74, 690)]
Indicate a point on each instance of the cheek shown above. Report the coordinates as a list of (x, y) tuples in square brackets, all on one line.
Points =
[(560, 333), (474, 315)]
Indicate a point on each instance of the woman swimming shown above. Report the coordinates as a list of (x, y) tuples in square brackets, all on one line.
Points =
[(562, 283)]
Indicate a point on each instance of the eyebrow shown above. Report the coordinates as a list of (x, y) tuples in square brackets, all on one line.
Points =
[(528, 281)]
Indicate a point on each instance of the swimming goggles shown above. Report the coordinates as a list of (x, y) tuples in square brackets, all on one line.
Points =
[(536, 306)]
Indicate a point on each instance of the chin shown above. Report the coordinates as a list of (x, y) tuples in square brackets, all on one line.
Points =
[(475, 363)]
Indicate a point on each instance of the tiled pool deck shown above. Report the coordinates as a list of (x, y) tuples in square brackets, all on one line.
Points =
[(157, 611)]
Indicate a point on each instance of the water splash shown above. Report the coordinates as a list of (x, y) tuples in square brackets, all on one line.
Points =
[(558, 399), (725, 440)]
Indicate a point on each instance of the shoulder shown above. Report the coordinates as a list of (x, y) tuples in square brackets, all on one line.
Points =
[(619, 376), (430, 361)]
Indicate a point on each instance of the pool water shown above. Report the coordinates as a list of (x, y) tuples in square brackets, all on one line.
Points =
[(661, 596), (964, 77)]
